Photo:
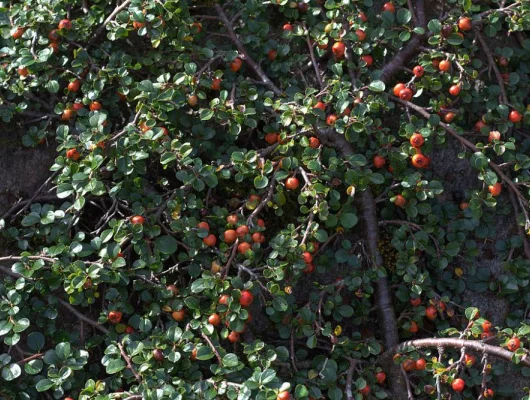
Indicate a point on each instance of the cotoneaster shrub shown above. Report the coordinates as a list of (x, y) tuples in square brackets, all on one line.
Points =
[(249, 199)]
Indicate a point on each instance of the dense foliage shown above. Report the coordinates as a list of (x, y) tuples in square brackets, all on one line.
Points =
[(249, 201)]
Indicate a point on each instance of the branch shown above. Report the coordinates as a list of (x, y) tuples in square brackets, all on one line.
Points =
[(255, 66), (35, 258), (520, 230), (30, 201), (101, 28), (388, 321), (492, 64), (83, 317), (407, 52), (128, 361), (207, 339), (226, 268), (261, 205), (410, 395), (424, 113), (314, 62), (31, 358), (349, 378), (452, 343), (484, 384)]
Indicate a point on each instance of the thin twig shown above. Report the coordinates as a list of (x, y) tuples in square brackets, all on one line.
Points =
[(83, 317), (129, 363), (424, 113), (226, 268), (214, 349), (30, 201), (255, 66), (314, 62), (410, 395), (349, 379), (101, 28), (493, 65)]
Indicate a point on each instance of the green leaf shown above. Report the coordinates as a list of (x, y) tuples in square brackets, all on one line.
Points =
[(403, 16), (334, 393), (166, 244), (478, 160), (435, 26), (44, 385), (21, 325), (455, 39), (261, 182), (280, 304), (204, 353), (230, 360), (146, 86), (30, 219), (198, 286), (377, 86), (63, 350), (11, 372), (311, 341), (33, 367), (348, 220), (346, 310), (206, 114), (36, 341), (115, 366)]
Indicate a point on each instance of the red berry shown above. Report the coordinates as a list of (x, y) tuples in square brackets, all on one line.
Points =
[(389, 7), (496, 189), (406, 94), (455, 90), (64, 24), (246, 298), (445, 65), (338, 49), (415, 302), (431, 313), (331, 119), (379, 161), (464, 24), (115, 316), (513, 344), (380, 377), (292, 183), (417, 140), (137, 220), (418, 71), (515, 117), (420, 364), (458, 385)]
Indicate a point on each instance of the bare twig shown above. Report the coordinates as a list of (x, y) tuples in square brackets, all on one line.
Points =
[(226, 268), (349, 379), (493, 65), (255, 66), (424, 113), (263, 203), (453, 343), (101, 28), (410, 395), (293, 355), (33, 357), (314, 62), (129, 363), (214, 349), (30, 201), (83, 317)]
